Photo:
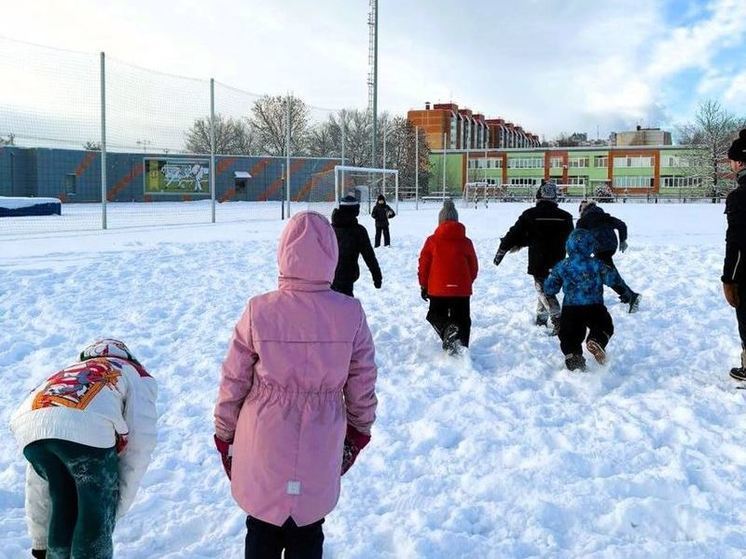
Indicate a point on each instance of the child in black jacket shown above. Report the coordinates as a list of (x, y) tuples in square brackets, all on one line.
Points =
[(382, 212), (353, 240)]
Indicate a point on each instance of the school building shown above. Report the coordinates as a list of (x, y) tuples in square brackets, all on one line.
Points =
[(622, 170)]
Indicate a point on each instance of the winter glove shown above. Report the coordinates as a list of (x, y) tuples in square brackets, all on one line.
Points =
[(226, 454), (423, 293), (39, 553), (377, 284), (731, 294), (499, 257), (120, 444), (355, 441), (390, 214), (622, 246)]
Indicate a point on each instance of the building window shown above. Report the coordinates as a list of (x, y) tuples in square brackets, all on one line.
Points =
[(601, 161), (578, 162), (577, 181), (555, 162), (675, 161), (681, 182), (633, 182), (71, 186), (526, 181), (526, 163), (636, 161)]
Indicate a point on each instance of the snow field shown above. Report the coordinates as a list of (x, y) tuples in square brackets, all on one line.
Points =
[(497, 453)]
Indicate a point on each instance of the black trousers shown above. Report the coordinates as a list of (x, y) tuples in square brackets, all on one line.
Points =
[(741, 313), (344, 287), (267, 541), (386, 235), (451, 310), (574, 322), (621, 289)]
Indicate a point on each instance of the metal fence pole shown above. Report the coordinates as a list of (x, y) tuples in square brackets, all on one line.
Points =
[(344, 132), (396, 189), (384, 157), (213, 169), (287, 152), (416, 167), (444, 167), (103, 141)]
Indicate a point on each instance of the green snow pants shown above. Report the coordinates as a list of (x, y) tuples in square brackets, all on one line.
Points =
[(84, 493)]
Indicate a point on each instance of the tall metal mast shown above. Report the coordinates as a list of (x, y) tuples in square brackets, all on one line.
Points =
[(373, 74)]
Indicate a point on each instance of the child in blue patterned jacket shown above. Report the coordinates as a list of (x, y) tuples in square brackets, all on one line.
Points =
[(582, 277)]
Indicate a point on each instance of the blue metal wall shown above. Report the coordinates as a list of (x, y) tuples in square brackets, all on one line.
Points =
[(43, 171)]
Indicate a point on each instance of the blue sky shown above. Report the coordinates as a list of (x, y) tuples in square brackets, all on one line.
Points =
[(551, 65)]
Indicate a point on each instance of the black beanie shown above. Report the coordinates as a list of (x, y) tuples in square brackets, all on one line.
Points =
[(381, 198), (737, 151)]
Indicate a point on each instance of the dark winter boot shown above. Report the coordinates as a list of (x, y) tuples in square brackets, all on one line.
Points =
[(598, 352), (575, 362), (634, 302), (451, 342), (739, 373), (541, 320)]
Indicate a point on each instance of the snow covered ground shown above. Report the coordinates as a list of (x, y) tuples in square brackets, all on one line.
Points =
[(498, 453)]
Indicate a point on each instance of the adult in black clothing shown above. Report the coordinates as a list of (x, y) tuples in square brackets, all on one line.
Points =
[(602, 226), (544, 230), (734, 277), (382, 212), (353, 241)]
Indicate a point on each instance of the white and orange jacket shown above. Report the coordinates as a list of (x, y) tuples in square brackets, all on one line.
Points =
[(105, 400)]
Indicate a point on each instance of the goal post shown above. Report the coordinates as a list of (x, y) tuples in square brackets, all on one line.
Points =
[(371, 180)]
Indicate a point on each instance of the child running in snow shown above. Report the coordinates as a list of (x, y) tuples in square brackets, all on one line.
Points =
[(353, 241), (382, 212), (582, 279), (544, 230), (87, 432), (297, 397), (602, 225), (447, 268)]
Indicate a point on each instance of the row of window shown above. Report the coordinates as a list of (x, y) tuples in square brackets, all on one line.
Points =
[(573, 162), (619, 182)]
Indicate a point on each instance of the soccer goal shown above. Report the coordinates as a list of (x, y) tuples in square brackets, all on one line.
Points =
[(366, 184), (481, 192)]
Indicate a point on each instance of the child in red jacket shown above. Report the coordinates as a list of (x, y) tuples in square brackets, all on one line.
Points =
[(447, 268)]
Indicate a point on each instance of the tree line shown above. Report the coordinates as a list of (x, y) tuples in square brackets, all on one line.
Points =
[(263, 131)]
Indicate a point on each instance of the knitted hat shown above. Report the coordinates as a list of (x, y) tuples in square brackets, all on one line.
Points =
[(107, 347), (447, 212), (381, 198), (349, 205), (585, 204), (548, 191), (737, 151)]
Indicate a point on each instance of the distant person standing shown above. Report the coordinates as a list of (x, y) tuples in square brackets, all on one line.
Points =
[(734, 278), (382, 212), (544, 230), (602, 226), (353, 241)]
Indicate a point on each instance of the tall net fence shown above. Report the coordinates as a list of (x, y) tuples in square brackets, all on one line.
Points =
[(149, 159)]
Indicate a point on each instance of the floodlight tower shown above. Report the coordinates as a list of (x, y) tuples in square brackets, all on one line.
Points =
[(373, 74)]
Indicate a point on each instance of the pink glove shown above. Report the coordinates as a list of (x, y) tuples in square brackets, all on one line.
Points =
[(226, 454), (355, 441)]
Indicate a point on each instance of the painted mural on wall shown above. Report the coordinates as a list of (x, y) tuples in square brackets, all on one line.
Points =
[(177, 176)]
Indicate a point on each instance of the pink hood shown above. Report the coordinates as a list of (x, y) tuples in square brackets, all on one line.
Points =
[(308, 249)]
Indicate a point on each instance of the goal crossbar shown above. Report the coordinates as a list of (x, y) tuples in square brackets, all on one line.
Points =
[(384, 172)]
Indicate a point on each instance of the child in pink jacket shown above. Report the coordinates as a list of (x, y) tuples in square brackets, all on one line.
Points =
[(297, 396)]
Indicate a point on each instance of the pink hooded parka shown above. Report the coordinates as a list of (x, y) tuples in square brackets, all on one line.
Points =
[(300, 367)]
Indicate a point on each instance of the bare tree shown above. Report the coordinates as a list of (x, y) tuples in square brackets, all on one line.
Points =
[(92, 145), (709, 136), (268, 119), (233, 136), (10, 140), (400, 151)]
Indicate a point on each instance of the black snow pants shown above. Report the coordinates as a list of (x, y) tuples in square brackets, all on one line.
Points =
[(451, 310), (621, 289), (386, 235), (741, 313), (576, 320), (267, 541)]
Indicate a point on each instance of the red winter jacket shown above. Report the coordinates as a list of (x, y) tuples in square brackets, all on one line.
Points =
[(448, 263)]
